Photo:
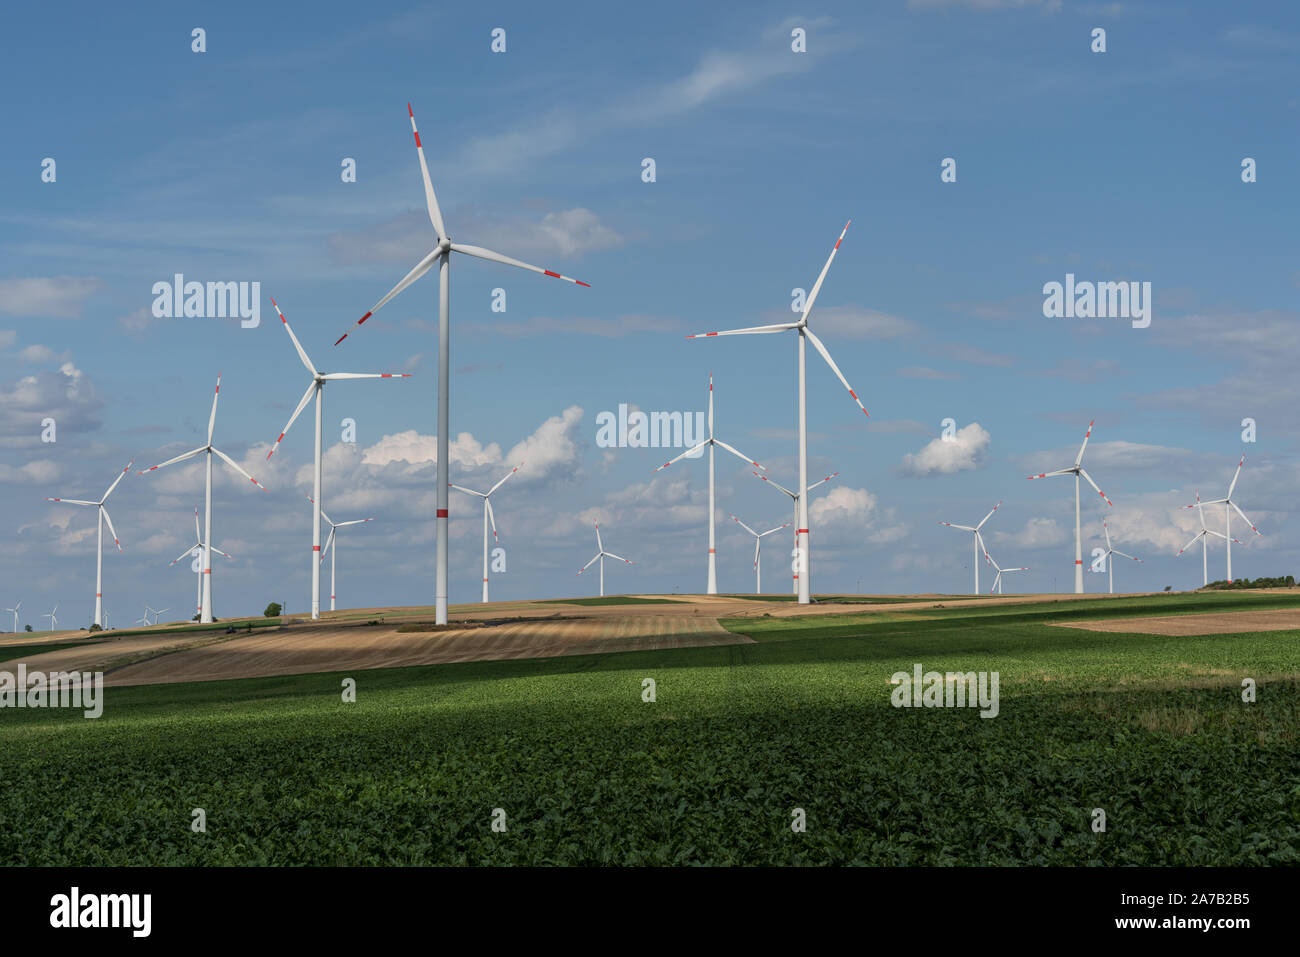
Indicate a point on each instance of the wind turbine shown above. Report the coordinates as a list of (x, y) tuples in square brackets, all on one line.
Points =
[(99, 546), (805, 335), (196, 550), (143, 619), (1112, 550), (712, 582), (997, 579), (979, 542), (157, 613), (317, 389), (441, 254), (794, 496), (1228, 505), (758, 543), (14, 609), (1077, 470), (205, 611), (601, 554), (488, 517), (334, 526), (52, 617), (1203, 535)]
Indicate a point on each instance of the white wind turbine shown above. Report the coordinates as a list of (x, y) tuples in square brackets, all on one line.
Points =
[(1112, 550), (317, 389), (711, 587), (978, 542), (794, 496), (52, 616), (601, 555), (157, 613), (143, 619), (758, 558), (441, 254), (332, 547), (208, 450), (1203, 535), (1228, 505), (196, 551), (1077, 470), (805, 335), (14, 609), (997, 579), (99, 546), (488, 517)]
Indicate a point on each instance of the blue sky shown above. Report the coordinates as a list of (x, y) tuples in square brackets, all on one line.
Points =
[(225, 166)]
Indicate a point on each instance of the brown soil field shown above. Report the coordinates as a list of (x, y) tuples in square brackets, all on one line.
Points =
[(1231, 623)]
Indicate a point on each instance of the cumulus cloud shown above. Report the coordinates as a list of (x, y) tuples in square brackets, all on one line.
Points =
[(1037, 533), (36, 472), (964, 451), (67, 396), (58, 297), (417, 449), (553, 448)]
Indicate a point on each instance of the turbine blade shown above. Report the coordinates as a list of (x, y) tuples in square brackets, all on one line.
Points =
[(599, 546), (71, 501), (302, 404), (817, 344), (220, 552), (121, 475), (179, 458), (817, 286), (328, 542), (1094, 485), (740, 455), (1126, 555), (1236, 475), (481, 253), (212, 419), (1087, 435), (771, 481), (198, 535), (693, 448), (750, 330), (366, 375), (988, 516), (435, 214), (492, 519), (743, 525), (420, 269), (964, 528), (1050, 474), (619, 557), (1194, 540), (826, 479), (111, 529), (589, 564), (1248, 521), (506, 479), (470, 491), (189, 551), (777, 529), (235, 465), (302, 353)]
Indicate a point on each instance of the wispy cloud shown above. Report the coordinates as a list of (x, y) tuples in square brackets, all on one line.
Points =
[(57, 297)]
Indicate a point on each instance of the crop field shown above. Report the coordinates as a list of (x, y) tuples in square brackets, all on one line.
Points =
[(1150, 728)]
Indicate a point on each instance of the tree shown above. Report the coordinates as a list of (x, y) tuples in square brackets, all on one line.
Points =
[(272, 610), (27, 627)]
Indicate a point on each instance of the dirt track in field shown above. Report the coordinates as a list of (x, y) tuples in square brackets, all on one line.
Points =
[(1230, 623), (307, 649)]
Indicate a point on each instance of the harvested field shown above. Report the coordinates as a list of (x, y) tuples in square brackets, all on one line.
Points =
[(1233, 623)]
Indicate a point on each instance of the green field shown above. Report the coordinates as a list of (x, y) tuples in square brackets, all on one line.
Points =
[(1151, 729)]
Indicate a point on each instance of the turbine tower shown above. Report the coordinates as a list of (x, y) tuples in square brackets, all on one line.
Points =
[(207, 451), (794, 496), (601, 554), (196, 550), (978, 542), (1112, 550), (1203, 535), (1228, 505), (317, 389), (758, 543), (1077, 470), (711, 586), (488, 517), (441, 254), (99, 546), (805, 335)]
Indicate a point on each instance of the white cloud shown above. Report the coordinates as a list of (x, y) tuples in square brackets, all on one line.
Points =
[(58, 297), (1037, 533), (417, 449), (67, 396), (552, 449), (36, 353), (36, 472), (963, 452)]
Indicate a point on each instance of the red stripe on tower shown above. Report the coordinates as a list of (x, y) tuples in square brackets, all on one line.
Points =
[(442, 513)]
